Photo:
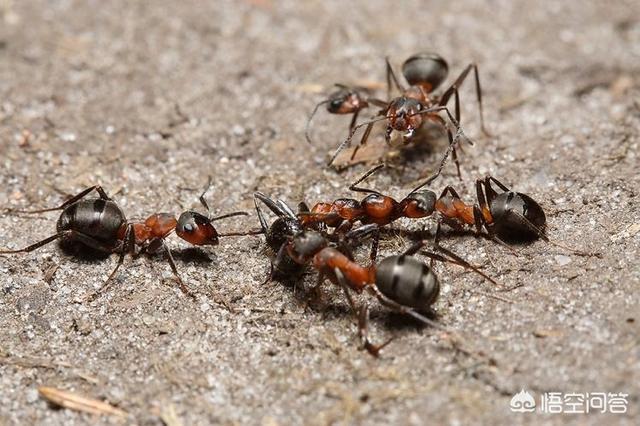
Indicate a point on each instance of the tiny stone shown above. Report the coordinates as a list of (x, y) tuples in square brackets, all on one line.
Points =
[(32, 395)]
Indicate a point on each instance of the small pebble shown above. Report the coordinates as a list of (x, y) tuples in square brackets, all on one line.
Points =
[(563, 260)]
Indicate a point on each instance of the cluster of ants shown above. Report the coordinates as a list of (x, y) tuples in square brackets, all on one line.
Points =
[(325, 236)]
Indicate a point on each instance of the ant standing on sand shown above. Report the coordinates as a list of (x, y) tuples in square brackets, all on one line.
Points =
[(424, 72), (101, 225), (401, 283)]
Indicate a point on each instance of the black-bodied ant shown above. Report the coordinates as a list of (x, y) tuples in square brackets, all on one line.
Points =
[(101, 225), (424, 72)]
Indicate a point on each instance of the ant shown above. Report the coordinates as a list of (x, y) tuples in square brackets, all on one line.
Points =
[(374, 208), (101, 225), (277, 234), (424, 72), (509, 215), (401, 283), (288, 226), (345, 100)]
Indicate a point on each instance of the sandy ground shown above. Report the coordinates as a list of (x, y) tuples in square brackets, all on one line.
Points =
[(151, 100)]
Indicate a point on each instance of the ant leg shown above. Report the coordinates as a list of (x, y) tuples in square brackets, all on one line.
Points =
[(36, 245), (347, 141), (362, 232), (454, 88), (70, 235), (391, 304), (363, 141), (224, 216), (128, 246), (354, 119), (486, 193), (172, 263), (263, 222), (497, 182), (451, 149), (276, 208), (391, 75), (307, 128), (363, 332), (362, 316), (354, 186), (374, 247), (242, 234), (201, 198), (75, 198)]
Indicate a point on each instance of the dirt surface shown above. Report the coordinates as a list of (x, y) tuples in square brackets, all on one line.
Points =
[(151, 100)]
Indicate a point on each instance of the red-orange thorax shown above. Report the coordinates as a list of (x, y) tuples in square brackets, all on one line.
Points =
[(455, 208), (357, 276), (380, 209)]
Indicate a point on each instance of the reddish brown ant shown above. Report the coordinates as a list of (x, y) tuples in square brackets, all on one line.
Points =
[(424, 72), (345, 100), (401, 283), (508, 215), (374, 208), (101, 225)]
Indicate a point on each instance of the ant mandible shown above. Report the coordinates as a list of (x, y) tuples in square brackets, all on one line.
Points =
[(101, 225), (424, 72)]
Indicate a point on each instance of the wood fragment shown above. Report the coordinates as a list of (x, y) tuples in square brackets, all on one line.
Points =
[(169, 416), (74, 401)]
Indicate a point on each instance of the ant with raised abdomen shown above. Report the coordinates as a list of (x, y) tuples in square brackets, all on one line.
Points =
[(101, 225), (424, 72)]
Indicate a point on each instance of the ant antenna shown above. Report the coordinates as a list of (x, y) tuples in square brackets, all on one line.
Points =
[(307, 129), (347, 141)]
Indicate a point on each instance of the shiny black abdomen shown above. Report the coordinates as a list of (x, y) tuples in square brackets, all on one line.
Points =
[(514, 213), (96, 218), (408, 281)]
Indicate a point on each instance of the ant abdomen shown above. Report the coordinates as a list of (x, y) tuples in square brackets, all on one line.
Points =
[(97, 218), (425, 69), (408, 281), (345, 101), (514, 213)]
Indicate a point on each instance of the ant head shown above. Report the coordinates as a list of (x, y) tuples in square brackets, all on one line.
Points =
[(281, 230), (517, 216), (425, 69), (305, 245), (345, 101), (196, 229), (419, 204), (408, 281), (404, 114)]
